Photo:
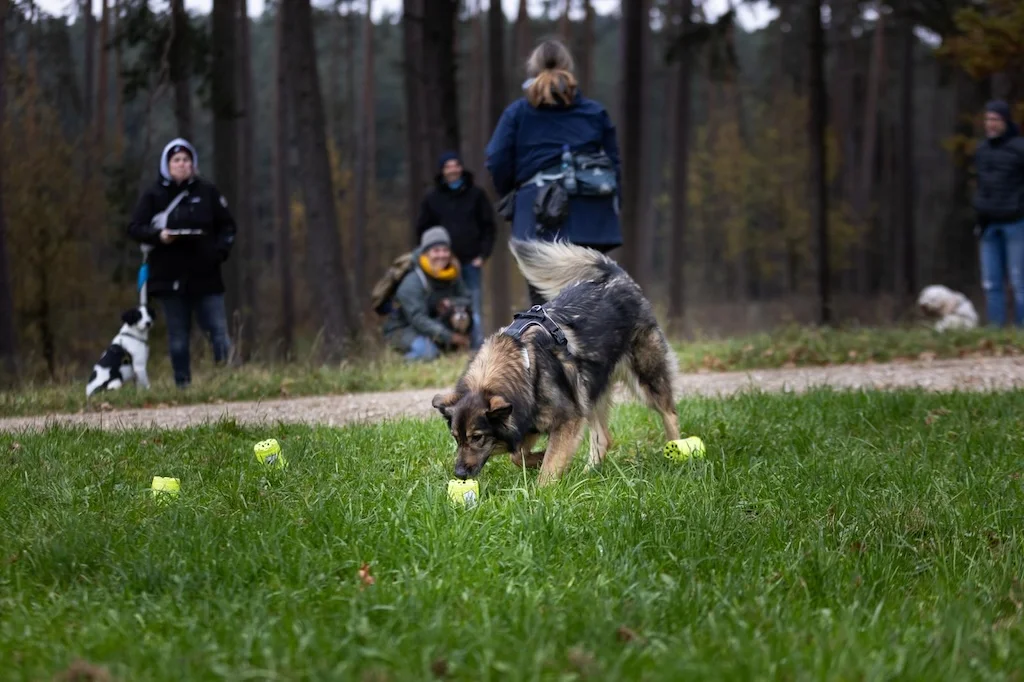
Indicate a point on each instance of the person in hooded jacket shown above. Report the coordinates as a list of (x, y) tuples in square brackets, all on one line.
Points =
[(466, 213), (529, 139), (999, 206), (185, 262)]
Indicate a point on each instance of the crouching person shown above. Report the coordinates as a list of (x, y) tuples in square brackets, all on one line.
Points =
[(432, 307)]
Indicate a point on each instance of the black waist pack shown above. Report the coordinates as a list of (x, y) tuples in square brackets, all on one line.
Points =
[(551, 207)]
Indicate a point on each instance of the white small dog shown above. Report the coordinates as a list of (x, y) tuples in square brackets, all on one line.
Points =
[(126, 356), (954, 310)]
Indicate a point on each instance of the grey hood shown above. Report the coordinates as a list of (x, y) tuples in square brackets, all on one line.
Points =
[(165, 172)]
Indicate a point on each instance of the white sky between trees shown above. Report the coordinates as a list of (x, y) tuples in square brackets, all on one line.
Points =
[(750, 15)]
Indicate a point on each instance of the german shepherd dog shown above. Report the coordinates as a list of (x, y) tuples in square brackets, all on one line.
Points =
[(551, 371)]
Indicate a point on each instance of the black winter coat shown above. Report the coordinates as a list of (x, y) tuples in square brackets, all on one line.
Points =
[(191, 263), (999, 164), (465, 212)]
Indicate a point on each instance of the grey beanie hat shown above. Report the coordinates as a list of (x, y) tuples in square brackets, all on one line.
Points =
[(435, 236)]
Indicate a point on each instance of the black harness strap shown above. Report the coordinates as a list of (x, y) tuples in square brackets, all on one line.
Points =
[(534, 316)]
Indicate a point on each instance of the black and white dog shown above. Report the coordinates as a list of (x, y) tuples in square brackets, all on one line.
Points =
[(126, 356)]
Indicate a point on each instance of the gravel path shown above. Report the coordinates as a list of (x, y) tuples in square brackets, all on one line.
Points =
[(977, 374)]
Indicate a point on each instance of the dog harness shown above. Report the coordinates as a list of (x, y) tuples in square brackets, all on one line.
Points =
[(534, 316)]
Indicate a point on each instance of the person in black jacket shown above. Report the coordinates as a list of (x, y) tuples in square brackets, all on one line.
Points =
[(999, 205), (189, 247), (464, 210)]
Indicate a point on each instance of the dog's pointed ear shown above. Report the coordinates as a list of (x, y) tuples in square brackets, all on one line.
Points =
[(498, 408), (131, 316), (443, 402)]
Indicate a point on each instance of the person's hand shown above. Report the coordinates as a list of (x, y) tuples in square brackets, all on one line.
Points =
[(460, 340), (478, 262), (166, 237)]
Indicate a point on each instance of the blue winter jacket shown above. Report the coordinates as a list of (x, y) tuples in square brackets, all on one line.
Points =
[(528, 140)]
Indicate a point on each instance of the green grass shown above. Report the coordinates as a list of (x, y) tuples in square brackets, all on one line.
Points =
[(386, 371), (827, 536)]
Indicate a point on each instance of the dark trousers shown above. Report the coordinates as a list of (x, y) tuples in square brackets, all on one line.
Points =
[(212, 318), (535, 296)]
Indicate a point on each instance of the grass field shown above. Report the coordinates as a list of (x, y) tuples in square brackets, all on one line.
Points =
[(827, 536), (794, 346)]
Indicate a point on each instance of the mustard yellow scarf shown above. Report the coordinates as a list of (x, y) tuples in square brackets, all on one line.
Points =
[(446, 275)]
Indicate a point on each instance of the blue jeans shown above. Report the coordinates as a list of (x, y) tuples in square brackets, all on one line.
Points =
[(210, 314), (1002, 256), (473, 279), (422, 348)]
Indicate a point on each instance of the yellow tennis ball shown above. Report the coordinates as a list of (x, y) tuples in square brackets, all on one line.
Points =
[(268, 452), (165, 488), (464, 493), (687, 448)]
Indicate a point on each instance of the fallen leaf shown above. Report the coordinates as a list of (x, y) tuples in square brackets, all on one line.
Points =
[(365, 577), (933, 415), (927, 356), (439, 667), (83, 671), (582, 660), (625, 634), (15, 446)]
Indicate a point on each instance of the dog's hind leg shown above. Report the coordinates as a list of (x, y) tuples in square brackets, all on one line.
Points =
[(653, 364), (600, 437), (561, 447)]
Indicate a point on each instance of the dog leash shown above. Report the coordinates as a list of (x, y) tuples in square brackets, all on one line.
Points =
[(158, 221)]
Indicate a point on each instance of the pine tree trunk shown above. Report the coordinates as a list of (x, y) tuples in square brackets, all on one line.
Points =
[(413, 76), (634, 21), (180, 68), (225, 103), (521, 48), (906, 163), (90, 61), (442, 101), (104, 73), (282, 205), (681, 178), (501, 299), (332, 93), (818, 184), (565, 25), (8, 342), (245, 211), (586, 60), (325, 261), (119, 84), (348, 142), (367, 150), (870, 144)]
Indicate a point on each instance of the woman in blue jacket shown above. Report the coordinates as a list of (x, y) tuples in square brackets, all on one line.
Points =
[(529, 139)]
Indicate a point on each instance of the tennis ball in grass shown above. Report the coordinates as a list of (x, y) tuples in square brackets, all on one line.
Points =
[(685, 449), (268, 452), (165, 488), (464, 493)]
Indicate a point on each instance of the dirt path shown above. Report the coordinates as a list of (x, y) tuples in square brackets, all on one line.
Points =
[(940, 375)]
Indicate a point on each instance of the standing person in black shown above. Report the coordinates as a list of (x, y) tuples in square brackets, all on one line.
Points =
[(999, 205), (189, 245), (464, 210)]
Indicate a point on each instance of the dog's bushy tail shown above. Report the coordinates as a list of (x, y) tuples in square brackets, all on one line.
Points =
[(552, 266)]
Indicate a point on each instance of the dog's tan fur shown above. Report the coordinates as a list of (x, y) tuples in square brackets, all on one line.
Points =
[(514, 390)]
